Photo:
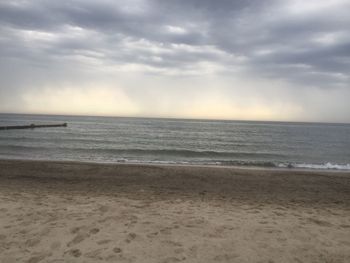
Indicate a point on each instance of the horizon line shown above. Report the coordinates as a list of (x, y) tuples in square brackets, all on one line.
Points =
[(171, 118)]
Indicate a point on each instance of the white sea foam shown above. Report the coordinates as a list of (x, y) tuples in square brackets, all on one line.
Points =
[(328, 165)]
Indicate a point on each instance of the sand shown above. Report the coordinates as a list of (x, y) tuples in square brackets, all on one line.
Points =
[(80, 212)]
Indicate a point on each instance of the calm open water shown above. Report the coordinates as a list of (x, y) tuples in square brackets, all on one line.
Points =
[(147, 140)]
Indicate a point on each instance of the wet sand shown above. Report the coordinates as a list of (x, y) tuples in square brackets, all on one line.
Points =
[(80, 212)]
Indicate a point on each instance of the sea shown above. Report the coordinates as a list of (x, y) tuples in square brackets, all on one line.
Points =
[(178, 141)]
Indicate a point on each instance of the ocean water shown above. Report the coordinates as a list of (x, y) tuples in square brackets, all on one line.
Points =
[(176, 141)]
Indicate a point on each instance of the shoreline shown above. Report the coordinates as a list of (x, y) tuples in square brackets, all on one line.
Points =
[(235, 167), (88, 212)]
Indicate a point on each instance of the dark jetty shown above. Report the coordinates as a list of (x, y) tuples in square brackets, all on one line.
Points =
[(32, 126)]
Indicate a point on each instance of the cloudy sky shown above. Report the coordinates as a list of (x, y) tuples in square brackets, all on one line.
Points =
[(237, 59)]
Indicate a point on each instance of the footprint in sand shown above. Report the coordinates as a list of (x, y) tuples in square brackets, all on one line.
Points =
[(279, 213), (103, 208), (219, 231), (171, 260), (75, 230), (166, 230), (225, 257), (193, 251), (152, 235), (77, 239), (130, 237), (193, 223), (263, 222), (94, 231), (103, 242), (319, 222), (94, 253), (74, 252), (179, 250), (117, 250), (32, 242), (38, 257), (80, 235)]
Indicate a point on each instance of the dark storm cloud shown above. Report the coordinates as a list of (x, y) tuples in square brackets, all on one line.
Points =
[(239, 28), (302, 43)]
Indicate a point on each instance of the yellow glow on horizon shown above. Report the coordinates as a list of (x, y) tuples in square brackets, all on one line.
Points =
[(220, 108), (113, 101), (80, 101)]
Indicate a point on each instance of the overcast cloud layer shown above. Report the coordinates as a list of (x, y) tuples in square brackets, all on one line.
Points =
[(269, 60)]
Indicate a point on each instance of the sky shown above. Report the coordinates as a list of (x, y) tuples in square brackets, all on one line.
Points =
[(241, 59)]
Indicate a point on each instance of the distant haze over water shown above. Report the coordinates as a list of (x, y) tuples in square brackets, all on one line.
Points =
[(175, 141)]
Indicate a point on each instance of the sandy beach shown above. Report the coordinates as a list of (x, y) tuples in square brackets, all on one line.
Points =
[(81, 212)]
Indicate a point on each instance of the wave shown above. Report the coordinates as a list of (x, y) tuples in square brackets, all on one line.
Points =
[(190, 153), (267, 164), (147, 152), (328, 165), (164, 156), (240, 163)]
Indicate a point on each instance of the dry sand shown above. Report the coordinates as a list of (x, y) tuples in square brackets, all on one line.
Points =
[(78, 212)]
